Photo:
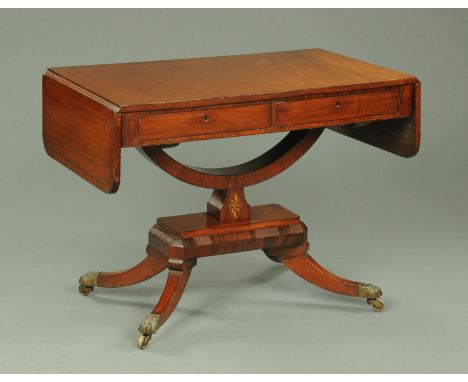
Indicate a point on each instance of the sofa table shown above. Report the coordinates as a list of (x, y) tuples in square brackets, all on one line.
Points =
[(91, 112)]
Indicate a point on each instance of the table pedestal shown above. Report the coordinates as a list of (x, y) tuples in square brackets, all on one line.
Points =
[(229, 225), (177, 242)]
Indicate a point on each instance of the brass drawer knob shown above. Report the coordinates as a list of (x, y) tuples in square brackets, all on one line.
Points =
[(338, 104), (205, 118)]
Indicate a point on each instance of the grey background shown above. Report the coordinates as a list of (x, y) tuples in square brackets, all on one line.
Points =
[(372, 216)]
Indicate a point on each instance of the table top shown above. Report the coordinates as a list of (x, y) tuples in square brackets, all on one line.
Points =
[(91, 112), (241, 78)]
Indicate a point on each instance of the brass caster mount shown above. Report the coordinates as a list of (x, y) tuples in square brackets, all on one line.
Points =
[(147, 328), (372, 294), (377, 304), (87, 282), (143, 341)]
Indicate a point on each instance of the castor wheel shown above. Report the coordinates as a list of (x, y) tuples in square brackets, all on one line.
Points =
[(85, 290), (87, 282), (143, 341), (377, 304)]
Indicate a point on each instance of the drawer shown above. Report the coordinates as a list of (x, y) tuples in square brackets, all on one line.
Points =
[(154, 127), (338, 107)]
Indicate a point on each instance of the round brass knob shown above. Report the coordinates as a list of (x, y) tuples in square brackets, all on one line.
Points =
[(205, 118), (338, 103)]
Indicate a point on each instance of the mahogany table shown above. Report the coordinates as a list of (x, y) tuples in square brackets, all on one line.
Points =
[(91, 112)]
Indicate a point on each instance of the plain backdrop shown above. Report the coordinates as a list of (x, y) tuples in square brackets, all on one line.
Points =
[(372, 216)]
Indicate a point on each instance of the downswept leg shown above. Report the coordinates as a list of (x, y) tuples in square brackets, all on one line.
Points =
[(153, 264), (300, 262), (179, 273)]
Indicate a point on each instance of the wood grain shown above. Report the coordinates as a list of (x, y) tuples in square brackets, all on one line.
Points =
[(193, 236), (152, 265), (277, 159), (90, 112), (269, 215), (339, 107), (398, 136), (207, 81), (82, 133), (300, 262), (163, 126), (175, 285), (228, 206)]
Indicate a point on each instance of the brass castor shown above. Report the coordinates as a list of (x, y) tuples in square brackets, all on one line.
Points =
[(85, 290), (88, 281), (143, 341), (147, 328), (377, 304), (372, 293)]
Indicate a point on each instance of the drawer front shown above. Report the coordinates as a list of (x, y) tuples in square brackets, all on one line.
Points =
[(337, 107), (162, 126)]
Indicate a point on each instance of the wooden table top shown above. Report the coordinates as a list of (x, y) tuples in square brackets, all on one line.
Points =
[(241, 78), (91, 112)]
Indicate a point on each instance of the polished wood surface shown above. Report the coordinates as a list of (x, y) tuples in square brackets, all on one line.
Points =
[(82, 133), (398, 136), (153, 264), (91, 112), (187, 237), (228, 206), (177, 278), (269, 215), (185, 226), (169, 84), (161, 127), (271, 163), (340, 107), (300, 262)]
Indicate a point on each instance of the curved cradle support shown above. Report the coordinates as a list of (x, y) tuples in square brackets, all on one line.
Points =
[(264, 167)]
